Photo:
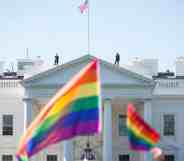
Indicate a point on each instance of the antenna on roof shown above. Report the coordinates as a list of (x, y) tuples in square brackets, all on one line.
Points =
[(27, 53), (12, 66)]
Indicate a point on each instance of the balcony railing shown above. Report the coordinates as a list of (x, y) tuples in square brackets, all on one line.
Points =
[(9, 83)]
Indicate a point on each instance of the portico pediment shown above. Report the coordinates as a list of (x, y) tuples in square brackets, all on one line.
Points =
[(110, 75)]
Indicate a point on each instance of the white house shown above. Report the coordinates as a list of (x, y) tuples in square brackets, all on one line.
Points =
[(159, 100), (11, 114), (12, 105)]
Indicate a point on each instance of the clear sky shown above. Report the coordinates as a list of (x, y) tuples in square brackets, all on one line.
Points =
[(134, 28)]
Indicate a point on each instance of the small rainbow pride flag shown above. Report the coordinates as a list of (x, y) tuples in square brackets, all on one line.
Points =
[(141, 136), (73, 111)]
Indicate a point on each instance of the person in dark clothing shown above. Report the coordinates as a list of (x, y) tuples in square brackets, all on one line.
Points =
[(56, 60), (117, 59)]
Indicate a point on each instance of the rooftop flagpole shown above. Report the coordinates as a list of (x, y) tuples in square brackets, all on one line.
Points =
[(88, 3), (88, 26), (83, 7)]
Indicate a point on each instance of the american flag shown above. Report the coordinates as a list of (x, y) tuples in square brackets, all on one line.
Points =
[(83, 6)]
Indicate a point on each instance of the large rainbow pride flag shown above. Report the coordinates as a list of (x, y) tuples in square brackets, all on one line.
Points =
[(73, 111), (142, 137)]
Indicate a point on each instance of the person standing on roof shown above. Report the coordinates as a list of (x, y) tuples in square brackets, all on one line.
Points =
[(117, 59), (56, 60)]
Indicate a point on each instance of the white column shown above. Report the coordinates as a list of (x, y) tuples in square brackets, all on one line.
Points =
[(107, 131), (28, 104), (181, 154), (147, 118), (148, 111), (68, 151)]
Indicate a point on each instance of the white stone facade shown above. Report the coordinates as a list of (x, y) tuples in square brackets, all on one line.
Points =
[(11, 94), (153, 99)]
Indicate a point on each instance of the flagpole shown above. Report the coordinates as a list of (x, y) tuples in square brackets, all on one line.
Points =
[(88, 26), (88, 41)]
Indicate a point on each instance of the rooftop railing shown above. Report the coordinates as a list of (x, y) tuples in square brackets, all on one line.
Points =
[(9, 83)]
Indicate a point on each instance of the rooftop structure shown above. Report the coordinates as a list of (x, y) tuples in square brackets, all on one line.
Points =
[(11, 76), (179, 64), (148, 67), (1, 66)]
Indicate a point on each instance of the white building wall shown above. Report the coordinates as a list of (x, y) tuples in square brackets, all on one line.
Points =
[(169, 99), (148, 67), (1, 67), (170, 144), (29, 66), (179, 64), (11, 103), (169, 106)]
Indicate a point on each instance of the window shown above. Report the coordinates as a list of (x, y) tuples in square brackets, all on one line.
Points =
[(7, 125), (124, 157), (51, 157), (169, 157), (24, 65), (169, 125), (122, 125), (7, 158)]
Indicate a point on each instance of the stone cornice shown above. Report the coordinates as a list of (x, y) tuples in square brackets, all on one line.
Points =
[(115, 86), (87, 58)]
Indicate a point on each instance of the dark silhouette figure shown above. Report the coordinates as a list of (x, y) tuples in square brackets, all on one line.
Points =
[(117, 60), (56, 60)]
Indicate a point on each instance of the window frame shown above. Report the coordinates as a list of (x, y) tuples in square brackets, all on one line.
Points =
[(7, 155), (170, 155), (123, 155), (118, 121), (7, 130), (163, 127), (53, 155)]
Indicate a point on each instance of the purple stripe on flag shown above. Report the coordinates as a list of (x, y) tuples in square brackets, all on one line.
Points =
[(69, 120), (139, 147), (80, 129)]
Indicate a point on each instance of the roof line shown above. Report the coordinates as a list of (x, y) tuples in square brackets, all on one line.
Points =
[(88, 57), (120, 69), (56, 68)]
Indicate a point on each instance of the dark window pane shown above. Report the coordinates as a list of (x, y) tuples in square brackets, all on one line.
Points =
[(169, 158), (7, 125), (169, 125), (7, 158), (51, 157), (122, 125), (7, 120), (124, 157)]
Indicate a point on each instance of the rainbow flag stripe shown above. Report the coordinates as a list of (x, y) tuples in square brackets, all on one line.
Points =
[(73, 111), (141, 136)]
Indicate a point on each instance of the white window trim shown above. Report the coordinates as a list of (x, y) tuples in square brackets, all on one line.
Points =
[(162, 125), (14, 125), (117, 125)]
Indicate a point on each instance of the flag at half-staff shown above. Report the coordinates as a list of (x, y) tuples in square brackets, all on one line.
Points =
[(73, 111)]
